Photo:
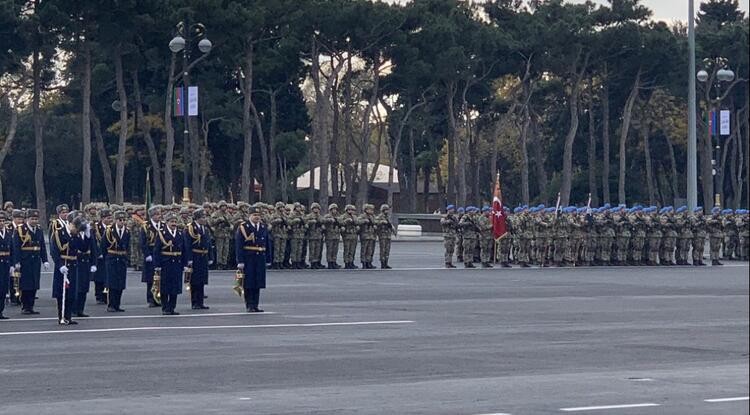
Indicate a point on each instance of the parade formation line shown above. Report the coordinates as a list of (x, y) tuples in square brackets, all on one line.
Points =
[(247, 326), (20, 320)]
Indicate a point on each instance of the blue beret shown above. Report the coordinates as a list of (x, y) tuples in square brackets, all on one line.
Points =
[(698, 209), (540, 206), (681, 209), (621, 205), (485, 209), (505, 208), (607, 206), (517, 209), (715, 209), (461, 210), (449, 207)]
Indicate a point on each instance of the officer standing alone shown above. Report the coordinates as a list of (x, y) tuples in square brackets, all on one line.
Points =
[(251, 246)]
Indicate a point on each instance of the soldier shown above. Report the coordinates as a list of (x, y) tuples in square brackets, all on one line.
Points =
[(8, 207), (460, 212), (699, 235), (297, 236), (623, 235), (349, 234), (251, 246), (653, 235), (6, 261), (115, 245), (65, 248), (366, 222), (578, 236), (29, 253), (332, 235), (100, 276), (135, 223), (149, 235), (731, 237), (222, 228), (505, 242), (196, 251), (637, 235), (449, 224), (742, 222), (684, 235), (385, 231), (669, 237), (279, 234), (590, 238), (469, 231), (18, 218), (486, 239), (560, 237), (86, 266), (314, 224), (169, 259), (715, 235)]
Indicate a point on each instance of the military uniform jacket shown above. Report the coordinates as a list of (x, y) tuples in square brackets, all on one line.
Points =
[(251, 248), (149, 236), (115, 249), (87, 258), (101, 268), (331, 227), (6, 257), (169, 257), (350, 229), (65, 250), (314, 223), (197, 248), (449, 224), (384, 227), (29, 249), (366, 226)]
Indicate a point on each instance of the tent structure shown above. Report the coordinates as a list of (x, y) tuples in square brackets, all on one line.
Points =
[(381, 178)]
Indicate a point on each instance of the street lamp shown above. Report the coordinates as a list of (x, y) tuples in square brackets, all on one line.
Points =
[(181, 43), (721, 75)]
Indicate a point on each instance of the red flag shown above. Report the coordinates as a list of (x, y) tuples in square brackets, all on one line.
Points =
[(499, 227)]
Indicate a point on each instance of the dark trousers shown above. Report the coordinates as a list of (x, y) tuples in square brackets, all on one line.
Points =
[(27, 299), (196, 294), (80, 302), (3, 293), (70, 299), (99, 292), (114, 298), (168, 302), (252, 298), (149, 296)]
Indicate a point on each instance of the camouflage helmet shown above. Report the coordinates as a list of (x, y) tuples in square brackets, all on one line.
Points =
[(199, 214), (8, 205), (384, 207), (280, 205), (184, 210), (368, 206), (333, 206), (315, 206), (222, 203), (350, 207)]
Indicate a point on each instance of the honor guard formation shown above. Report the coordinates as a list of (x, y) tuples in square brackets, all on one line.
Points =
[(173, 246), (575, 236)]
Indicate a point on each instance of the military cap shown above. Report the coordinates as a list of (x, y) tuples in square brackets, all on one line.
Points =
[(8, 205), (199, 214), (715, 210), (32, 213), (350, 207), (681, 209), (184, 210), (506, 209), (253, 210), (18, 213), (517, 209), (105, 213), (153, 210), (3, 215), (533, 209), (333, 206), (449, 207), (727, 212), (384, 206), (297, 205), (170, 216), (540, 206), (485, 209), (120, 214), (368, 206), (61, 207), (698, 209)]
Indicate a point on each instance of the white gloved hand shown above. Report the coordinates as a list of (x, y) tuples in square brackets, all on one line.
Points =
[(149, 258), (186, 269), (66, 281), (210, 263), (101, 256), (18, 266), (46, 266), (240, 266), (10, 271), (64, 269), (88, 230), (93, 268), (190, 263)]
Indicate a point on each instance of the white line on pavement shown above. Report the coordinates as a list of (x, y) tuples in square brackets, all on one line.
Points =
[(739, 398), (248, 326), (598, 408), (138, 317)]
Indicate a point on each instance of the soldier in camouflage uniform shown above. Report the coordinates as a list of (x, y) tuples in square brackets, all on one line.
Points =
[(699, 235), (560, 237), (332, 235), (653, 236), (297, 234), (314, 223), (637, 237), (469, 230), (577, 238), (623, 235), (134, 224), (460, 212), (731, 237), (742, 222), (366, 222), (449, 225), (607, 236), (486, 246), (591, 240), (279, 233), (684, 236), (385, 230), (543, 234), (349, 233), (715, 235), (505, 243), (669, 237), (221, 224)]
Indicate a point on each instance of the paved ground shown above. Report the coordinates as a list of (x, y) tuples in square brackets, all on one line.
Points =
[(417, 339)]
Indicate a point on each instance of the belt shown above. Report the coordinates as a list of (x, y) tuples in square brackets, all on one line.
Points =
[(113, 252), (5, 253), (69, 258), (254, 248), (200, 251), (171, 253), (30, 248)]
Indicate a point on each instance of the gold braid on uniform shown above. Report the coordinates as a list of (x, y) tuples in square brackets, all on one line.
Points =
[(196, 237), (244, 233), (164, 241), (110, 239)]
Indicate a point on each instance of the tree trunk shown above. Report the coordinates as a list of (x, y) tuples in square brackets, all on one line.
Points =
[(349, 167), (426, 189), (573, 99), (271, 189), (334, 151), (169, 132), (123, 133), (627, 115), (86, 125), (524, 155), (264, 156), (364, 139), (593, 190), (673, 166), (145, 128), (8, 142), (605, 138), (41, 198), (645, 133), (103, 159), (412, 189), (541, 171), (247, 121), (453, 137)]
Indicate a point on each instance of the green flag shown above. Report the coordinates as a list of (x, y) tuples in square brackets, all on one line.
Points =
[(148, 192)]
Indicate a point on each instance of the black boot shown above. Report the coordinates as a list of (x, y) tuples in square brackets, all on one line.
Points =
[(449, 265), (716, 262), (487, 265), (330, 265), (469, 265)]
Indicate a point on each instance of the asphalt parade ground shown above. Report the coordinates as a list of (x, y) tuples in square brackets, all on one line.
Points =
[(417, 339)]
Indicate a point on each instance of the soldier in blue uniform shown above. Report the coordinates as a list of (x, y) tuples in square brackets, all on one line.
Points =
[(115, 249), (86, 267), (251, 247), (169, 259), (6, 261), (18, 218), (149, 236), (100, 276), (197, 252), (29, 253), (65, 247)]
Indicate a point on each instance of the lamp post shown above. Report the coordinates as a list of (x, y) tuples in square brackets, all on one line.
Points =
[(719, 74), (182, 43)]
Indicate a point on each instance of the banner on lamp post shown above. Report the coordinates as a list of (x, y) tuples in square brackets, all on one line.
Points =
[(724, 122), (192, 101)]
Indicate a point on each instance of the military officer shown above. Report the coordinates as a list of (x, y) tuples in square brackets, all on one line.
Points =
[(314, 224), (460, 212), (168, 258), (449, 224), (100, 276), (65, 248), (18, 218), (197, 249), (6, 262), (116, 243), (30, 252), (349, 233), (332, 235), (86, 267), (149, 235), (251, 246), (366, 222), (297, 235), (385, 230)]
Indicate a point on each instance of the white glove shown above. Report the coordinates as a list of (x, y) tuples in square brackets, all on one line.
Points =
[(46, 266), (101, 256), (240, 266), (18, 266), (66, 281), (190, 263), (93, 268), (210, 262), (64, 269), (88, 230), (11, 269), (186, 269), (149, 258)]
